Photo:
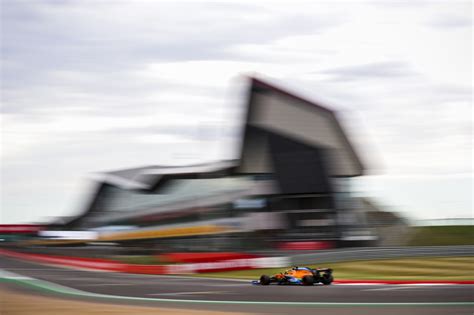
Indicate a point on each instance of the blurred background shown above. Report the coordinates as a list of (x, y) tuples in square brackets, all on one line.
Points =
[(182, 132)]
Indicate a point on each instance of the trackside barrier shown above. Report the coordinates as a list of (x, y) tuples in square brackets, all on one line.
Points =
[(306, 245), (234, 264), (198, 257)]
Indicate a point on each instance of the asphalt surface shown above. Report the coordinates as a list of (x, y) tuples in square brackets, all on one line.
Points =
[(228, 291)]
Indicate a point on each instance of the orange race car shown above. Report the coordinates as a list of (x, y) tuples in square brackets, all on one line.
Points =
[(299, 275)]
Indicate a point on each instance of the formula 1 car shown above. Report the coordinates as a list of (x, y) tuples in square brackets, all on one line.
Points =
[(298, 275)]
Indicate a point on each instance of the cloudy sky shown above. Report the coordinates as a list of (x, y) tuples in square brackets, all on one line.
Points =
[(89, 86)]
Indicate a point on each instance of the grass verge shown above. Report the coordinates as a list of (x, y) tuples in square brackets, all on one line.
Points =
[(442, 235)]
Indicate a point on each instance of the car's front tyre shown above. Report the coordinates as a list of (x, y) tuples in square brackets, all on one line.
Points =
[(307, 280)]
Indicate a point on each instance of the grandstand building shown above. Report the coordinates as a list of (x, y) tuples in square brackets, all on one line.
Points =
[(289, 187)]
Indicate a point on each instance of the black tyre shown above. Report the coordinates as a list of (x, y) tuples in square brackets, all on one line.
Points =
[(327, 279), (307, 280), (264, 280)]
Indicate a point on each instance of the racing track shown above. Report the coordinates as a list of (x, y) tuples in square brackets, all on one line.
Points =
[(232, 295)]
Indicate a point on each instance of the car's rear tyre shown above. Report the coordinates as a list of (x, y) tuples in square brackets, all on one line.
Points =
[(307, 280), (327, 279), (264, 280)]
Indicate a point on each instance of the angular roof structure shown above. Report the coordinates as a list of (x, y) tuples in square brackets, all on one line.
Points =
[(153, 177), (274, 111)]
